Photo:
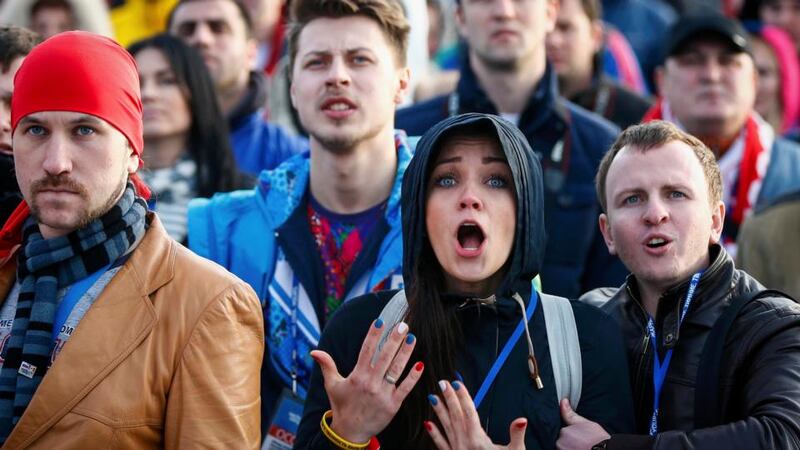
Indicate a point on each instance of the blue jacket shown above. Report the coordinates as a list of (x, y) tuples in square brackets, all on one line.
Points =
[(257, 144), (570, 142), (262, 236)]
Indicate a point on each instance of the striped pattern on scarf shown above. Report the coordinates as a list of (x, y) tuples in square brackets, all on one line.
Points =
[(44, 267)]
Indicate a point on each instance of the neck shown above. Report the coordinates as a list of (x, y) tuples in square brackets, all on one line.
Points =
[(652, 291), (571, 86), (229, 97), (164, 151), (717, 135), (509, 88), (353, 180)]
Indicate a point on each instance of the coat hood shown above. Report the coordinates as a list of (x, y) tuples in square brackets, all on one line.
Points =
[(529, 241)]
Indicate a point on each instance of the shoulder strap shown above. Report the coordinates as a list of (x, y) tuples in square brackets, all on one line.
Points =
[(392, 314), (565, 350), (707, 407)]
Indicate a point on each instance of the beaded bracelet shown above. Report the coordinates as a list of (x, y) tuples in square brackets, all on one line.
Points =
[(335, 438)]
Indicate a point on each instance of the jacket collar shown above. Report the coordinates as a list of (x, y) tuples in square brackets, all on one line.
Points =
[(716, 279), (282, 190), (472, 97), (119, 320)]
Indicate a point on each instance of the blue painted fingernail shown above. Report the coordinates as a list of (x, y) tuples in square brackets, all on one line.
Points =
[(432, 398), (456, 385), (410, 339), (378, 323)]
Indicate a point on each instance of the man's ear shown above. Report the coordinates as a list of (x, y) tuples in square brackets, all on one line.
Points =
[(133, 159), (717, 222), (404, 78), (605, 229)]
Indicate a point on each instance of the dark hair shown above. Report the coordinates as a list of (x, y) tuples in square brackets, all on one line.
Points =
[(243, 12), (654, 134), (208, 143), (15, 42), (39, 5), (388, 14)]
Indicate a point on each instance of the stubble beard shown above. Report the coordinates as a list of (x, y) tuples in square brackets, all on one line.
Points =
[(84, 216)]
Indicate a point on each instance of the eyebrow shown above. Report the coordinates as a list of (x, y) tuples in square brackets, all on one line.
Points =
[(484, 160), (328, 52), (83, 118)]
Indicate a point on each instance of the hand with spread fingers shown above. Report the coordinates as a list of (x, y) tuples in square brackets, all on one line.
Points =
[(461, 424), (364, 402)]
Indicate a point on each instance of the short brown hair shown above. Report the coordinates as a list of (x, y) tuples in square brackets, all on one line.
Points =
[(592, 9), (654, 134), (14, 43), (388, 14)]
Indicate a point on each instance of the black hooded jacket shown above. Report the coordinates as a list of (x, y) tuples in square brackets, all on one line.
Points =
[(605, 396)]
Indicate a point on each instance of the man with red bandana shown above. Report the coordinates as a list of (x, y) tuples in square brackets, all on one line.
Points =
[(112, 333)]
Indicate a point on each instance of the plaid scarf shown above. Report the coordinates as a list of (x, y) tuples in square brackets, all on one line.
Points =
[(44, 267)]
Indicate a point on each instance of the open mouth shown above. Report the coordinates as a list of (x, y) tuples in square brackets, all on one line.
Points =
[(656, 242), (470, 236), (338, 105)]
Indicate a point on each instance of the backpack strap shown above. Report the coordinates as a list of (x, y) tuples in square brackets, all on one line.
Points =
[(565, 350), (707, 404)]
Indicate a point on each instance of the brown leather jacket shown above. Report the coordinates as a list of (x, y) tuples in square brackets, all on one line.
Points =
[(169, 356), (760, 374)]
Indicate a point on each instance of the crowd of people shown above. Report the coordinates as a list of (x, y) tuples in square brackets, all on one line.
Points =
[(364, 224)]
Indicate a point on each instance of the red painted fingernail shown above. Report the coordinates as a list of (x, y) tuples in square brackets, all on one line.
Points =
[(419, 366), (522, 425), (428, 426)]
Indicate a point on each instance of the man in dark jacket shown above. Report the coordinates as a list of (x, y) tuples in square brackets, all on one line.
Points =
[(662, 192), (507, 74), (574, 48), (222, 31)]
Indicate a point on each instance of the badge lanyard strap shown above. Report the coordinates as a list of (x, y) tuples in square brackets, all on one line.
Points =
[(293, 331), (501, 359), (660, 367), (71, 298)]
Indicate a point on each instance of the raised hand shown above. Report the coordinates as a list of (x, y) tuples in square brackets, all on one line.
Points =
[(579, 433), (461, 423), (365, 402)]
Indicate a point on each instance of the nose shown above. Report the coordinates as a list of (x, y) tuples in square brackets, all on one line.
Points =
[(469, 200), (201, 36), (503, 8), (57, 158), (712, 70), (338, 73), (147, 89), (655, 213)]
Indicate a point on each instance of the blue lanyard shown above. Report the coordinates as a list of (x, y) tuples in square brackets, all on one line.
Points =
[(660, 367), (501, 359), (293, 330), (72, 297)]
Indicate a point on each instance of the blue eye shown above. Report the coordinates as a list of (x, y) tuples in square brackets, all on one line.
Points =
[(445, 181), (632, 200), (677, 194), (497, 182), (36, 130), (84, 131)]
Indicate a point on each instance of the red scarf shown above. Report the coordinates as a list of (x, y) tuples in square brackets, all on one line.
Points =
[(748, 173), (11, 233)]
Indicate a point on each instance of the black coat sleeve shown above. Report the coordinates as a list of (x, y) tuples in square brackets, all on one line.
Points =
[(606, 393)]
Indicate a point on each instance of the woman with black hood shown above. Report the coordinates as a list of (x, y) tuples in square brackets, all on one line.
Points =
[(474, 237)]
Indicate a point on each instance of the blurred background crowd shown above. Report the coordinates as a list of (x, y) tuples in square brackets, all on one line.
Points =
[(215, 130)]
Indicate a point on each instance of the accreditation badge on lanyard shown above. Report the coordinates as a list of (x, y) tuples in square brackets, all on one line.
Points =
[(282, 431), (660, 367)]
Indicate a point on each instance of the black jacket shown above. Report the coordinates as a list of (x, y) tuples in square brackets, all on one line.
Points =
[(605, 396), (570, 142), (486, 329), (760, 376)]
